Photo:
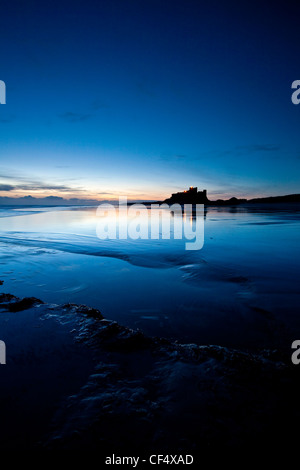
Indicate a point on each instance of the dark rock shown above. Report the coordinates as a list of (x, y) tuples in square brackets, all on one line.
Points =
[(14, 304), (7, 298), (89, 311)]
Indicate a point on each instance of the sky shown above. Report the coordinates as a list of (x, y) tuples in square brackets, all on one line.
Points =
[(146, 98)]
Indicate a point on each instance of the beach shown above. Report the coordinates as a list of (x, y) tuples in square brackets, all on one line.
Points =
[(240, 290), (148, 347), (75, 380)]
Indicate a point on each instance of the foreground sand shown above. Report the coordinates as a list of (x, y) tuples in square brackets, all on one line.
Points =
[(74, 380)]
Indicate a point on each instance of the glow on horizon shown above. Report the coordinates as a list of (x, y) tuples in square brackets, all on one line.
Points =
[(132, 194), (98, 182)]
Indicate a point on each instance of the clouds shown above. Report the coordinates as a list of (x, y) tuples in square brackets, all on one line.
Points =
[(40, 187), (73, 117), (6, 187), (234, 154), (241, 150), (14, 182), (45, 201), (173, 157), (6, 119), (70, 116), (98, 104), (180, 157), (258, 148)]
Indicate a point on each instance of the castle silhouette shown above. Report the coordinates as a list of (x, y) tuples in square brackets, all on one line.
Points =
[(190, 196)]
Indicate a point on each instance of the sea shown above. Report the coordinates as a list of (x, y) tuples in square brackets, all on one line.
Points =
[(240, 288)]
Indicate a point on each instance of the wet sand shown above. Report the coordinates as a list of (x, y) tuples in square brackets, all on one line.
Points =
[(74, 380)]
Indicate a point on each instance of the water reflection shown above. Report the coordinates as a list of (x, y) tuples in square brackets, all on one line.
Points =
[(241, 288)]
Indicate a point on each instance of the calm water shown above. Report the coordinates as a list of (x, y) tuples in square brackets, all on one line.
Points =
[(241, 289)]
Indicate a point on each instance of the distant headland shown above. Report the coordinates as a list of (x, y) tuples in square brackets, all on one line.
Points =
[(193, 196)]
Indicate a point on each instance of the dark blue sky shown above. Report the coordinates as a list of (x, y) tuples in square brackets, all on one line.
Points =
[(144, 98)]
